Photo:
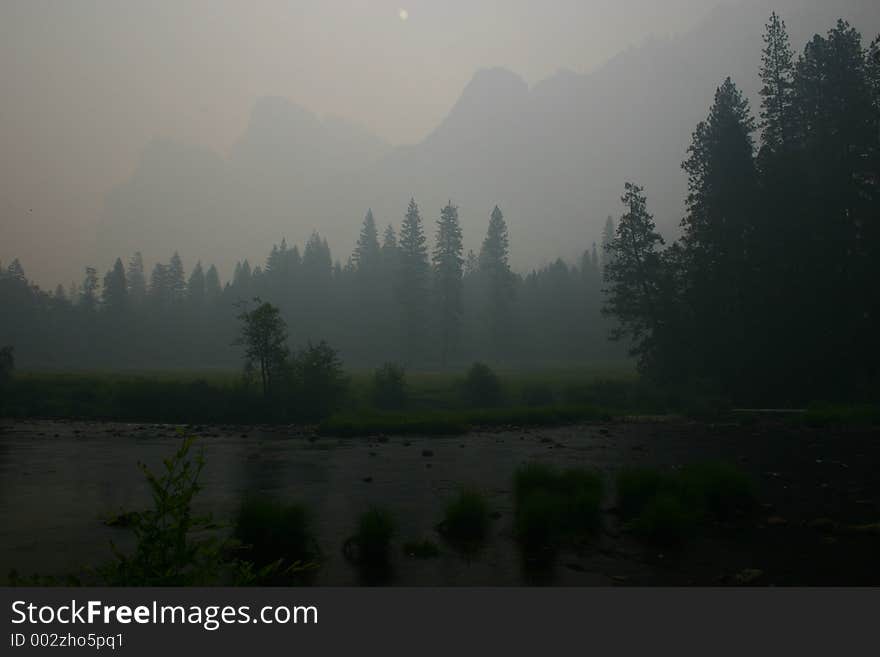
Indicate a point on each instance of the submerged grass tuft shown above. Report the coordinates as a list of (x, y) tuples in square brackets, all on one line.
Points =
[(667, 507), (555, 506)]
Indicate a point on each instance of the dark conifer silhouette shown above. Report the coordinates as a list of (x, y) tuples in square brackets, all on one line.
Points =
[(448, 261)]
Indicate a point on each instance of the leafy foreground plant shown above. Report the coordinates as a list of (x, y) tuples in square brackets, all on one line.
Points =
[(466, 520), (668, 507), (554, 507), (274, 533), (174, 547)]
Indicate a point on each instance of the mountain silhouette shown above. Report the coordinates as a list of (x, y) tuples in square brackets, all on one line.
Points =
[(554, 155)]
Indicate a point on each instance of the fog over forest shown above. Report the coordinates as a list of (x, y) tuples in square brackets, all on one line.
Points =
[(107, 167), (497, 293)]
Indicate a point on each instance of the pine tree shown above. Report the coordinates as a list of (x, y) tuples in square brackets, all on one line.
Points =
[(495, 268), (719, 227), (195, 287), (447, 260), (633, 275), (366, 253), (176, 279), (241, 279), (114, 296), (16, 271), (88, 299), (389, 246), (777, 91), (607, 238), (411, 280), (159, 292), (317, 260), (212, 284), (137, 281), (838, 206)]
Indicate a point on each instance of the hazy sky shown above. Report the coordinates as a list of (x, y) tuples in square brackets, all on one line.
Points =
[(87, 83)]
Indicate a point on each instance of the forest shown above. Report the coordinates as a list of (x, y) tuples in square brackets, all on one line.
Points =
[(769, 294)]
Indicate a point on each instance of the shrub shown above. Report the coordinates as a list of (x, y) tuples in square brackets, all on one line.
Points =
[(554, 506), (371, 544), (481, 386), (636, 487), (271, 531), (466, 518), (389, 387), (665, 520), (667, 507), (165, 553), (319, 382)]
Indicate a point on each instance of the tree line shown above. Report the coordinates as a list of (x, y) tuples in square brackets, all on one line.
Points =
[(770, 292), (396, 299), (773, 289)]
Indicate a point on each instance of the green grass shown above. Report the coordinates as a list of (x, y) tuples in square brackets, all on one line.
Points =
[(370, 546), (665, 520), (453, 422), (434, 403), (555, 506), (466, 518), (666, 507)]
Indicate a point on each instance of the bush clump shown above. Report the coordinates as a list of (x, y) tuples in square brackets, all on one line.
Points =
[(271, 531), (466, 519), (665, 520), (371, 544), (389, 387), (554, 506), (481, 387), (319, 384), (666, 507)]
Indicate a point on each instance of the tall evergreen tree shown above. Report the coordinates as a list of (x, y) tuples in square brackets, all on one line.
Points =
[(195, 287), (718, 227), (411, 281), (176, 279), (114, 296), (88, 299), (607, 239), (777, 91), (495, 268), (159, 293), (366, 253), (212, 284), (633, 278), (137, 281), (389, 246), (447, 260), (15, 270)]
